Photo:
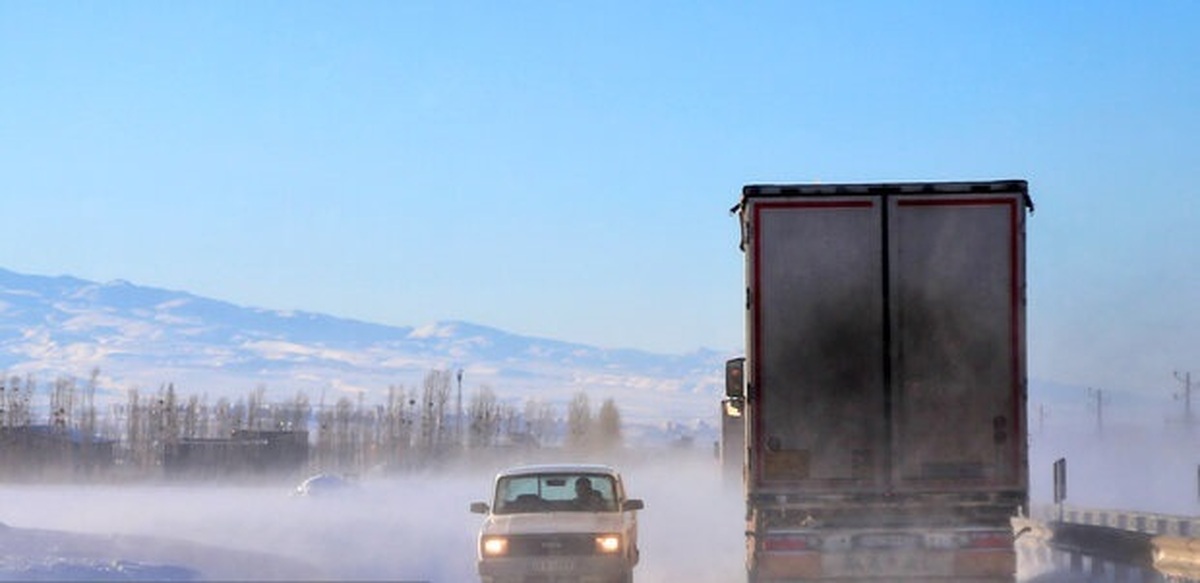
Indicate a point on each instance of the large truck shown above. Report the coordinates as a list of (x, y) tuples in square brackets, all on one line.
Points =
[(884, 392)]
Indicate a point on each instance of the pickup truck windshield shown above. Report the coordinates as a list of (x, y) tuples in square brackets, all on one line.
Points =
[(555, 493)]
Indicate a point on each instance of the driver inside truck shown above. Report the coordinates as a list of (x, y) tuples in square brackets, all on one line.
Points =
[(587, 498)]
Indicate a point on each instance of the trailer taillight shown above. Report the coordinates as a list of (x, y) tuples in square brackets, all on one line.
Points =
[(989, 540), (790, 543)]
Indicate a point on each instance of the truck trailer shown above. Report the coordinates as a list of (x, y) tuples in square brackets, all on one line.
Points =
[(884, 384)]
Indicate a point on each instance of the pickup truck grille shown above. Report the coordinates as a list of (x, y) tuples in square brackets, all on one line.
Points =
[(542, 545)]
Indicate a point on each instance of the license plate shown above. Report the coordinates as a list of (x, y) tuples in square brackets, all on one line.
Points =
[(554, 565), (888, 541), (888, 564)]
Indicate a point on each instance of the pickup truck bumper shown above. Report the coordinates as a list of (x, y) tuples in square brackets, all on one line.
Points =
[(552, 569)]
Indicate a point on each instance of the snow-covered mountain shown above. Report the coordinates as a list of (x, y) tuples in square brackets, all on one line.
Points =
[(143, 337)]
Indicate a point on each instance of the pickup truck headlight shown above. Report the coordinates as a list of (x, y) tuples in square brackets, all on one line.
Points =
[(607, 544), (494, 546)]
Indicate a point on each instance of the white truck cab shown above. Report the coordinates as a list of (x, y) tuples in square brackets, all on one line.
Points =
[(558, 522)]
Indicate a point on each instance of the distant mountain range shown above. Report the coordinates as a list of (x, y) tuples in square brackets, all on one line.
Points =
[(143, 337)]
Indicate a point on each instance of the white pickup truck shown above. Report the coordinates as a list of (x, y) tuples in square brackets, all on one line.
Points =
[(559, 522)]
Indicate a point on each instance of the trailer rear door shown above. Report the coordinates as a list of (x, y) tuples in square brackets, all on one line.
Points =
[(955, 295), (886, 337), (817, 366)]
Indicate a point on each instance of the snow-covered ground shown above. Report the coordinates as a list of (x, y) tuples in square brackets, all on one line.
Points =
[(410, 528), (414, 527)]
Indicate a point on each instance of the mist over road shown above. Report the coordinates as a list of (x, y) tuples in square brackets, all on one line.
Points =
[(407, 527), (413, 527)]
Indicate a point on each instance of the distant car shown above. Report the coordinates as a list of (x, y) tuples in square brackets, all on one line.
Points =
[(562, 522), (321, 485)]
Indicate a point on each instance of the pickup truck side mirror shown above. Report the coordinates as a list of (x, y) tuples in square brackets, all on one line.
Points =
[(632, 504), (479, 507)]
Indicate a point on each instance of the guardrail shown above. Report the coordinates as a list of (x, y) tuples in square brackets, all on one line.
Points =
[(1147, 522), (1113, 545)]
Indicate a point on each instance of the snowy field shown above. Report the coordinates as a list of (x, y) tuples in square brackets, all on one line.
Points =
[(412, 528)]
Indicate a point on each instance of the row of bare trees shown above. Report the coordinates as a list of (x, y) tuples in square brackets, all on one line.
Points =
[(411, 427)]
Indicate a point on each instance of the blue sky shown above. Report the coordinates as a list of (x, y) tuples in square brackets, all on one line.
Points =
[(565, 169)]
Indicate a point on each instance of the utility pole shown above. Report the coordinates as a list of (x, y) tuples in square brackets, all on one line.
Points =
[(1098, 396), (1186, 379), (458, 415)]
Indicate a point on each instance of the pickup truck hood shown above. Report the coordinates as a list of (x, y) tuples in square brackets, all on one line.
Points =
[(553, 522)]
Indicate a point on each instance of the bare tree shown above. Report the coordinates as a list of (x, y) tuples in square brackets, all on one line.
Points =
[(484, 414), (62, 403), (361, 429), (191, 418), (540, 420), (223, 423), (325, 431), (510, 421), (256, 407), (87, 413), (340, 436), (413, 425), (17, 405), (204, 419), (579, 421), (139, 435), (396, 438), (435, 396), (301, 410), (608, 425), (169, 425), (85, 417)]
